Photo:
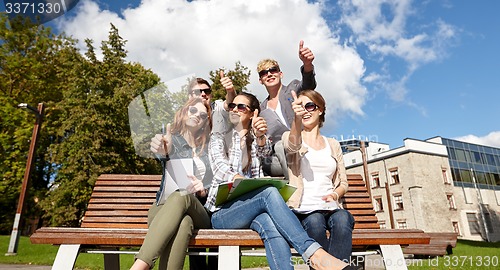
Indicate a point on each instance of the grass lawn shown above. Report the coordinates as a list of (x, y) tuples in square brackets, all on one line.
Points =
[(28, 253), (467, 255)]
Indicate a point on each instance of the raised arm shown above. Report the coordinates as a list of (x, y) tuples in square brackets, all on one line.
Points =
[(295, 137), (227, 83), (307, 69)]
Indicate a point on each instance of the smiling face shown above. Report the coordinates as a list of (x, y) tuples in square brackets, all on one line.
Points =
[(202, 91), (197, 116), (241, 113), (269, 73), (313, 113)]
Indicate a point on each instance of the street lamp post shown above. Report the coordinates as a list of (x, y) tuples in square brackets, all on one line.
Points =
[(14, 238)]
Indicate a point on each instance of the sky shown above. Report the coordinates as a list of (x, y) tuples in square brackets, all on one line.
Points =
[(388, 69)]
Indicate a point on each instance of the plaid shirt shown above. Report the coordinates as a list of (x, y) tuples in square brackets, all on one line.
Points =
[(226, 160)]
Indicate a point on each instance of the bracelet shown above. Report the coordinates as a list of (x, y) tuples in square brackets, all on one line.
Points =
[(261, 137), (338, 196)]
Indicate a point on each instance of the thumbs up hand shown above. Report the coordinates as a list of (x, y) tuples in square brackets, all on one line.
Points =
[(226, 82), (259, 124), (305, 55), (297, 106), (162, 143)]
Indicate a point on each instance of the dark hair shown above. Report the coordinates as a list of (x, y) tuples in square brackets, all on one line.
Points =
[(254, 102), (254, 105), (197, 81), (318, 99)]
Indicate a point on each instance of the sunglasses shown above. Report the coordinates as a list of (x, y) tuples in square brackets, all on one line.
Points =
[(194, 110), (272, 70), (241, 107), (310, 106), (198, 91)]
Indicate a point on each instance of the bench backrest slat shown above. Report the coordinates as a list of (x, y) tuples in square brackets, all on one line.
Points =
[(122, 201)]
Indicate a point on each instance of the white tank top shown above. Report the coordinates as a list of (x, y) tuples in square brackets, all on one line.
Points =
[(318, 168)]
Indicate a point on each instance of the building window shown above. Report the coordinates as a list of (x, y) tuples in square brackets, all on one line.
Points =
[(445, 176), (451, 201), (379, 207), (375, 181), (398, 202), (394, 176), (456, 228), (402, 224), (382, 225), (473, 224)]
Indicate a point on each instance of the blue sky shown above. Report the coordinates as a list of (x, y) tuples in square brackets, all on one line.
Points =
[(389, 69)]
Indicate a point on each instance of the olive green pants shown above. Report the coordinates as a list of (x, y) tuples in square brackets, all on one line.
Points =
[(170, 228)]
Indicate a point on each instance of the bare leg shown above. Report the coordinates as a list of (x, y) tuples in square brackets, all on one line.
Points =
[(321, 260), (139, 265)]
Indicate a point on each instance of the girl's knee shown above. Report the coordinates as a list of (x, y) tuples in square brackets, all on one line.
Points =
[(186, 225), (342, 217)]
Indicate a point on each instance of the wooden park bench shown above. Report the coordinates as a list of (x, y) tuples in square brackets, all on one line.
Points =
[(441, 243), (116, 218)]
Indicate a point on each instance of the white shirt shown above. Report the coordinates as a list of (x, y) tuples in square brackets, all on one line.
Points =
[(317, 168), (279, 113)]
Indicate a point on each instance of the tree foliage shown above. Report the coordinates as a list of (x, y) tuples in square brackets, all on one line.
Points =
[(85, 130), (31, 60), (93, 130), (240, 76)]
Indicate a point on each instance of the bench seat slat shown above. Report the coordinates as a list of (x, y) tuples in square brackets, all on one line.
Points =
[(134, 237)]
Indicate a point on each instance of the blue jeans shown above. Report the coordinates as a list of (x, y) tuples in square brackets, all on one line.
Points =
[(264, 211), (339, 223)]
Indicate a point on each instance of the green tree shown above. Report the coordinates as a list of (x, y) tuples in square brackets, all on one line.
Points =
[(94, 135), (240, 76), (32, 64)]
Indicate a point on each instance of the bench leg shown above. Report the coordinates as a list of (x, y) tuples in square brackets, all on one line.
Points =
[(66, 257), (229, 257), (112, 261), (393, 257)]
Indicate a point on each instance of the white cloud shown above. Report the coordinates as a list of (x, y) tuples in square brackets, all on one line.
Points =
[(381, 26), (178, 37), (491, 139)]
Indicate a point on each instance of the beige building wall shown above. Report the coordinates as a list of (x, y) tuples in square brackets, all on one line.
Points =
[(431, 202), (422, 189)]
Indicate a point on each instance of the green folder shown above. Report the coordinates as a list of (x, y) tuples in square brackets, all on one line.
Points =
[(231, 191)]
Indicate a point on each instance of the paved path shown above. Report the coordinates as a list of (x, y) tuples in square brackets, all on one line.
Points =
[(24, 267), (373, 263)]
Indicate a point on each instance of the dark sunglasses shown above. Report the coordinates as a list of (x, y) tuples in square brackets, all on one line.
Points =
[(194, 110), (310, 106), (241, 107), (198, 91), (272, 70)]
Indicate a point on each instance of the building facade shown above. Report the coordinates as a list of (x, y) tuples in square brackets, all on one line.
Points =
[(417, 186)]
